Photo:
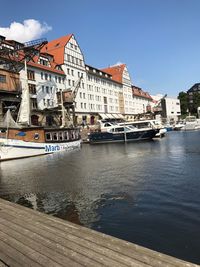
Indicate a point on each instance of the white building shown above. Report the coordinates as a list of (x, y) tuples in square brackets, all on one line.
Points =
[(105, 93), (171, 110), (45, 79), (142, 101)]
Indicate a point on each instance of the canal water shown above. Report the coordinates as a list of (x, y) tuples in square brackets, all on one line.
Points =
[(147, 192)]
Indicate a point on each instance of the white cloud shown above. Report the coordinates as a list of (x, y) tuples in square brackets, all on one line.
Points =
[(29, 30)]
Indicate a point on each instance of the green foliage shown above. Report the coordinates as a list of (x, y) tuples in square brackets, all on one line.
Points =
[(196, 101), (183, 97)]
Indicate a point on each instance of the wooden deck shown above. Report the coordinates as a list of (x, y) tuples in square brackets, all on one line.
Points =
[(29, 238)]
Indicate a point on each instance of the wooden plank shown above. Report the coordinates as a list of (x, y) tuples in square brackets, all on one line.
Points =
[(58, 235), (155, 259), (102, 250), (13, 257), (61, 240), (39, 240)]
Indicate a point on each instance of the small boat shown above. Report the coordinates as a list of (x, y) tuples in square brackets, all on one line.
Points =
[(191, 123), (179, 126), (119, 133)]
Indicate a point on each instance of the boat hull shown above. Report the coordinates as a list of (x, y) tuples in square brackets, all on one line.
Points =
[(15, 149), (107, 137)]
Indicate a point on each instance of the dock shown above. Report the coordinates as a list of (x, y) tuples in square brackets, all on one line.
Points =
[(30, 238)]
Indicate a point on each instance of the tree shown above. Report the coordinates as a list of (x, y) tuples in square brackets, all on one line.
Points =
[(183, 97), (196, 101)]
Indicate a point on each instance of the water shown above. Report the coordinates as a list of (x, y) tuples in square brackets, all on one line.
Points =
[(146, 193)]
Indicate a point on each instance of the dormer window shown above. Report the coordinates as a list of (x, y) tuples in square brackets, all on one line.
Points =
[(44, 61)]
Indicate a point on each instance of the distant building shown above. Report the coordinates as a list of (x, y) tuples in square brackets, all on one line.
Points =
[(192, 95), (171, 110), (142, 101)]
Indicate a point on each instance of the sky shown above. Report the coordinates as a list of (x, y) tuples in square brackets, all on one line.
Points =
[(158, 40)]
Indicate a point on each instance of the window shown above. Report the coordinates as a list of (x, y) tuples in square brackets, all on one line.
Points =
[(56, 79), (46, 76), (31, 75), (85, 105), (47, 89), (59, 79), (2, 78), (55, 136), (48, 136), (49, 77), (66, 135), (44, 101), (69, 82), (42, 88), (68, 71), (72, 72), (32, 88), (48, 102), (34, 103), (42, 75)]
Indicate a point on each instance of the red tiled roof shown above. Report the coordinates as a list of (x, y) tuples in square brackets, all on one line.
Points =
[(139, 92), (116, 72), (52, 67), (47, 68), (57, 48)]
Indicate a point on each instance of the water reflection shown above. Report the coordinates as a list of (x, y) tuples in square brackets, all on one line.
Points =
[(147, 192)]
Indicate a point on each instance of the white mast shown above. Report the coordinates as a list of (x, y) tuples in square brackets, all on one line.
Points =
[(24, 111), (63, 111)]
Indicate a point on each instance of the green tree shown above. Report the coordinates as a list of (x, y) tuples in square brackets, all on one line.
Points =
[(183, 97), (196, 101)]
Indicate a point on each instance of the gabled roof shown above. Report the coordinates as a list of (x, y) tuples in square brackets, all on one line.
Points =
[(116, 72), (57, 48), (193, 87)]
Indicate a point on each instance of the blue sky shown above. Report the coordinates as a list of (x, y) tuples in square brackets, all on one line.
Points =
[(158, 40)]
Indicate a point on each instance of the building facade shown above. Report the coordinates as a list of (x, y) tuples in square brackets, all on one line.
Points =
[(142, 101), (171, 110), (98, 93)]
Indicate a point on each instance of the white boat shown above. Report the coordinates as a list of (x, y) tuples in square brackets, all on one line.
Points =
[(191, 123), (34, 141), (149, 124)]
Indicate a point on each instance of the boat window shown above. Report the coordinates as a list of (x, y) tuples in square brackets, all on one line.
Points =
[(120, 129), (107, 124), (66, 135), (60, 135), (36, 136), (73, 135), (48, 136), (55, 136)]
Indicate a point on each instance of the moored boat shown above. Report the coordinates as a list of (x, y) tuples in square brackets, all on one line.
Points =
[(33, 141), (119, 133)]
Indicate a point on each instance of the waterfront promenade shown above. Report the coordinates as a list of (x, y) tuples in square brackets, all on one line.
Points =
[(30, 238)]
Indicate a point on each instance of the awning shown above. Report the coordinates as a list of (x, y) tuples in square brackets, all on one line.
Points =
[(107, 116), (116, 116), (103, 116), (121, 116)]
